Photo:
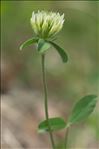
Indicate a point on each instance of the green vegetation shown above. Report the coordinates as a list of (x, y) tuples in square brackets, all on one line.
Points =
[(79, 76)]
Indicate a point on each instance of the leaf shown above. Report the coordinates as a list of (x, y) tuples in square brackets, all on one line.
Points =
[(55, 124), (83, 108), (60, 50), (28, 42), (43, 46)]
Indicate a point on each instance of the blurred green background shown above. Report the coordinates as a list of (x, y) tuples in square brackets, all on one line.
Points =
[(66, 82)]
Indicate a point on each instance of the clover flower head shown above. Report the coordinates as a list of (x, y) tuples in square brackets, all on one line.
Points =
[(46, 24)]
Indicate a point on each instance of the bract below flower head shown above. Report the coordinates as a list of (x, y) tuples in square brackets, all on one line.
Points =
[(46, 24)]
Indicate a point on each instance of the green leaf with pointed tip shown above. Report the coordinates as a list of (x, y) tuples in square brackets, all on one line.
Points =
[(43, 46), (83, 108), (28, 42), (55, 124), (60, 50)]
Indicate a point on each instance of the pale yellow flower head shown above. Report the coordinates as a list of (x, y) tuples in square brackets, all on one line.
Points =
[(46, 24)]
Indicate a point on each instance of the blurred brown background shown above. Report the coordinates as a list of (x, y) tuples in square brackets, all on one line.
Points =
[(21, 81)]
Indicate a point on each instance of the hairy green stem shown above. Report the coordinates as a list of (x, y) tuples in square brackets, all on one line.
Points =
[(46, 102), (66, 138)]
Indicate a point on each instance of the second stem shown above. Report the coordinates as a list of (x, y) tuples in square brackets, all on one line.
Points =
[(46, 102)]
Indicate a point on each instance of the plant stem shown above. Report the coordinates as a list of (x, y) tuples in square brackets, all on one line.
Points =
[(46, 102), (66, 138)]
